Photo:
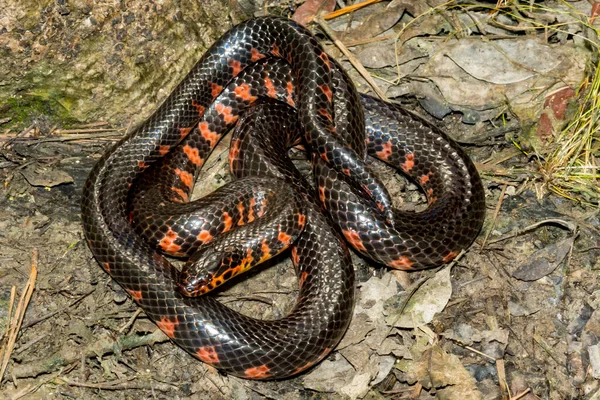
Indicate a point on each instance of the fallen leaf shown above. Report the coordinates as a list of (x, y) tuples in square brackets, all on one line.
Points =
[(46, 177), (428, 300), (544, 261)]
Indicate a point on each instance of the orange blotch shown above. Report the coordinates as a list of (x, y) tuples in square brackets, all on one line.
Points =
[(186, 178), (204, 236), (301, 219), (200, 108), (244, 92), (210, 136), (275, 50), (163, 150), (261, 372), (182, 194), (168, 326), (295, 256), (386, 152), (290, 91), (241, 210), (353, 238), (325, 114), (322, 194), (284, 237), (271, 91), (245, 263), (236, 67), (323, 56), (302, 278), (136, 294), (142, 165), (168, 242), (251, 210), (256, 55), (183, 132), (193, 155), (226, 113), (324, 157), (208, 355), (266, 251), (106, 267), (430, 197), (401, 263), (215, 89), (234, 152), (409, 163), (327, 92), (450, 256), (424, 179), (227, 221)]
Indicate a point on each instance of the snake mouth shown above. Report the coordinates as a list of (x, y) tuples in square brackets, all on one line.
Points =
[(194, 286)]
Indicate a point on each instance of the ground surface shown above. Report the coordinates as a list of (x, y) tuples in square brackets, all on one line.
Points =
[(516, 313)]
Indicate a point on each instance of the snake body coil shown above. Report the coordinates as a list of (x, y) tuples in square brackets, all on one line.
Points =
[(134, 201)]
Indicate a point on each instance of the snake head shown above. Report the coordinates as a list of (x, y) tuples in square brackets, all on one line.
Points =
[(199, 275)]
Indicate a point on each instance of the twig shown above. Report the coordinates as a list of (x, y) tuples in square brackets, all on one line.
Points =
[(69, 354), (17, 319), (353, 60), (496, 213)]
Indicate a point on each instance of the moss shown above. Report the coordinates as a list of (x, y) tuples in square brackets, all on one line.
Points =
[(25, 108)]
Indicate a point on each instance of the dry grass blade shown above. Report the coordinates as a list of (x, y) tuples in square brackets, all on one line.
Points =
[(16, 320)]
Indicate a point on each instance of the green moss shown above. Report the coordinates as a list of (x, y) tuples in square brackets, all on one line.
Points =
[(24, 108)]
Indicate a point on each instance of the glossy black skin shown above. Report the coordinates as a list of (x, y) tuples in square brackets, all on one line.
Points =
[(234, 343)]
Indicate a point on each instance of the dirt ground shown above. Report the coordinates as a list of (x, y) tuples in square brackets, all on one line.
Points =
[(515, 317)]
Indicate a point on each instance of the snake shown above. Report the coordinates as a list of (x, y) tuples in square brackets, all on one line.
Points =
[(270, 71)]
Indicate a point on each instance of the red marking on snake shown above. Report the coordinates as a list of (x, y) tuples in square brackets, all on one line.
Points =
[(106, 267), (275, 50), (322, 194), (251, 210), (295, 256), (199, 107), (424, 179), (323, 56), (327, 92), (168, 244), (183, 132), (193, 155), (409, 163), (168, 325), (266, 250), (236, 67), (450, 256), (402, 262), (182, 194), (234, 152), (245, 263), (353, 238), (241, 210), (142, 165), (228, 221), (204, 236), (208, 354), (163, 150), (324, 157), (260, 372), (386, 152), (284, 237), (271, 91), (301, 219), (290, 91), (215, 89), (226, 113), (186, 178), (256, 55), (211, 137), (244, 92), (302, 278), (346, 171), (430, 197), (136, 294), (325, 114)]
